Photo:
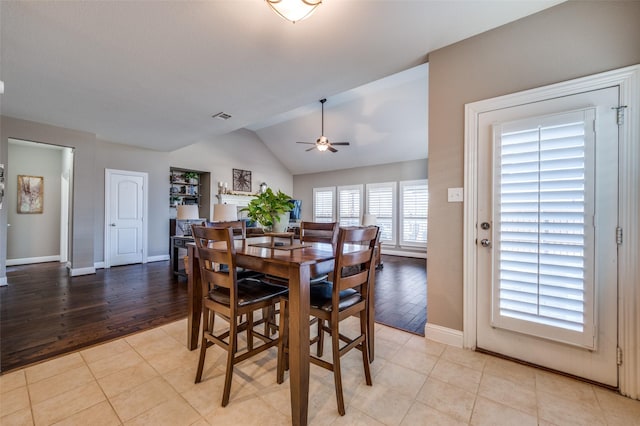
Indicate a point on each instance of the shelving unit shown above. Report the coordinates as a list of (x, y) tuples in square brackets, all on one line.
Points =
[(189, 187)]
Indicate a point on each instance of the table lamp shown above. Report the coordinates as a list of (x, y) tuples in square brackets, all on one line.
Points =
[(369, 220), (187, 213), (225, 212)]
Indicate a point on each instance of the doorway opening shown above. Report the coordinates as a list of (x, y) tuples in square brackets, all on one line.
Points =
[(42, 234)]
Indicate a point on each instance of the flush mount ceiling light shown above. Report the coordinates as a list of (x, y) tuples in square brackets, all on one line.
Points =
[(294, 10)]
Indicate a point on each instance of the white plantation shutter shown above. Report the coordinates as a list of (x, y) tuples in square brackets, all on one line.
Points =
[(323, 204), (414, 204), (349, 205), (381, 202), (544, 237)]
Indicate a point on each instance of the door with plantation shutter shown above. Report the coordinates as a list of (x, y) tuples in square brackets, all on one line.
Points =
[(547, 261)]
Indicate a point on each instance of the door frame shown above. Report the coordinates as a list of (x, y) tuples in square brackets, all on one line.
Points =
[(107, 215), (628, 79)]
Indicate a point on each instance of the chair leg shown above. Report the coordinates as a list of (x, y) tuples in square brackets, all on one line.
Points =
[(207, 324), (233, 347), (283, 345), (337, 376), (249, 331), (364, 329), (320, 347)]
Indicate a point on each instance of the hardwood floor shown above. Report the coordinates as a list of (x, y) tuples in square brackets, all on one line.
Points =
[(44, 312)]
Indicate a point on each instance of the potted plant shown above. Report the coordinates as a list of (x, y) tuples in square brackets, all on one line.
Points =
[(191, 177), (270, 209)]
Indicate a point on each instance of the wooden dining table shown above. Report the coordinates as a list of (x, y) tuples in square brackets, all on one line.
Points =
[(295, 262)]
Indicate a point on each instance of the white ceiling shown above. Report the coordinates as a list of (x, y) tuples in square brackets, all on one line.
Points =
[(152, 74)]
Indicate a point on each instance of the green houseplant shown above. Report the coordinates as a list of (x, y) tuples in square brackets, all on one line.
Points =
[(269, 208)]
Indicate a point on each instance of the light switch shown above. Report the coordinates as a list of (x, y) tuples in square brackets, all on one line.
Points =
[(455, 195)]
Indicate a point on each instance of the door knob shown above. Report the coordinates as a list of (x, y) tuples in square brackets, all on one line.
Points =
[(112, 224), (485, 242)]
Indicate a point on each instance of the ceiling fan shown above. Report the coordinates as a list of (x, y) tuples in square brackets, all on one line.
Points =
[(322, 143)]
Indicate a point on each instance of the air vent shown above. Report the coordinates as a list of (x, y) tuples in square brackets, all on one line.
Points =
[(222, 116)]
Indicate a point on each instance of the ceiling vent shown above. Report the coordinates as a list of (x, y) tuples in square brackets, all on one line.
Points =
[(222, 116)]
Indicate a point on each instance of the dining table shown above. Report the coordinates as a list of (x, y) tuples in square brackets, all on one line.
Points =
[(297, 262)]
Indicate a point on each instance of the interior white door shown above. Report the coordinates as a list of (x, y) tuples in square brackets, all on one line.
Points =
[(546, 248), (125, 218)]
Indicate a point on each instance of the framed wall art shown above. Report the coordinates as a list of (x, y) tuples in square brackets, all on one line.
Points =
[(241, 180), (30, 194)]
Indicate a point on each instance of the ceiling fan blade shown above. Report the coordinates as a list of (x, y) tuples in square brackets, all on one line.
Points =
[(308, 143), (332, 149), (310, 149), (339, 143)]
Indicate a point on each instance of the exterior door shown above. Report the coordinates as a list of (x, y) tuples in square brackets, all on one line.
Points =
[(124, 219), (547, 218)]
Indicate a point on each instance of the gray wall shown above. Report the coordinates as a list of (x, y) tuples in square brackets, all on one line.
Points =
[(38, 234), (156, 164), (241, 149), (303, 184), (82, 227), (570, 40)]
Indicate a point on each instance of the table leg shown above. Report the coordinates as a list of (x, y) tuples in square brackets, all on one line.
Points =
[(194, 300), (299, 342)]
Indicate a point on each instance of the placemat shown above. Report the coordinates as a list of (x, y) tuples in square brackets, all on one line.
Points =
[(294, 246)]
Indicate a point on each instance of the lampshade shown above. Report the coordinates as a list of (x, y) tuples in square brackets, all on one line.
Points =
[(369, 220), (294, 10), (225, 212), (187, 212)]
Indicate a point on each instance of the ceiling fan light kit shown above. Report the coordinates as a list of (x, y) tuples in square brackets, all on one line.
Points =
[(294, 10), (322, 144)]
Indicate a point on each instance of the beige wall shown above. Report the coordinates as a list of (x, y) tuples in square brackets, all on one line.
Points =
[(570, 40)]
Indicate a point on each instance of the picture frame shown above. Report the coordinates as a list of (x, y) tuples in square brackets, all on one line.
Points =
[(30, 194), (241, 180)]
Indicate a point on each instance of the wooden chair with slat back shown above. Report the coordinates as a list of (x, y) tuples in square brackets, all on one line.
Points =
[(229, 298), (323, 232), (332, 302)]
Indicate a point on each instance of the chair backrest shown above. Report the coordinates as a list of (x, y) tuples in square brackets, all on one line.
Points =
[(321, 232), (211, 255), (354, 259), (239, 227)]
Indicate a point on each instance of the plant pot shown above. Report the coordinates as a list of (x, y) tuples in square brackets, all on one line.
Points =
[(283, 224)]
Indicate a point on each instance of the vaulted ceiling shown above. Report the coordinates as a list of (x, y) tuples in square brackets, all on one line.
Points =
[(152, 74)]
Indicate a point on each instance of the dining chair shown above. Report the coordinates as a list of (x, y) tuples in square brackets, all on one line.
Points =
[(332, 302), (230, 298)]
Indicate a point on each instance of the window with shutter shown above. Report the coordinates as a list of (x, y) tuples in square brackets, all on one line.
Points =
[(381, 202), (543, 195), (414, 204), (323, 204), (349, 205)]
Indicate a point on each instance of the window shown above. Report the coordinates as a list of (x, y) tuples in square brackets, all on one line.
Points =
[(324, 200), (414, 204), (349, 205), (381, 202), (545, 205)]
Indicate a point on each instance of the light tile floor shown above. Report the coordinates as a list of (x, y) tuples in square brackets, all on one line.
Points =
[(147, 379)]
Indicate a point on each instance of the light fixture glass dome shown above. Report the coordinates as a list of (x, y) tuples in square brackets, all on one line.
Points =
[(322, 148), (294, 10)]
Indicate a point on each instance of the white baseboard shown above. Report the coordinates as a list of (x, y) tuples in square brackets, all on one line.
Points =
[(392, 252), (159, 258), (82, 271), (30, 260), (98, 265), (444, 335), (3, 281)]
